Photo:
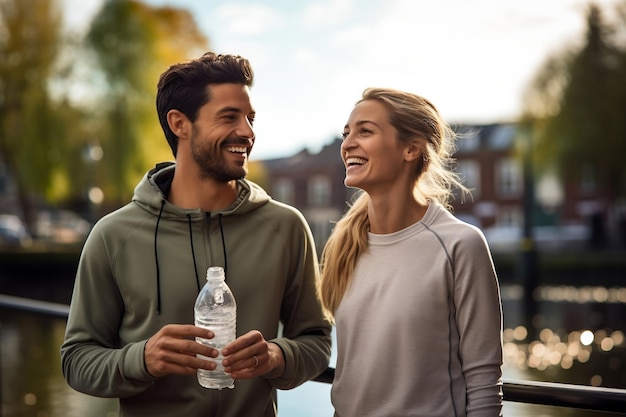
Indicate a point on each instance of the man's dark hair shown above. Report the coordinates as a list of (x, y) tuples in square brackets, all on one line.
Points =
[(183, 86)]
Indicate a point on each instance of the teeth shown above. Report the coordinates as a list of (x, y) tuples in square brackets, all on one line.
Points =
[(359, 161), (236, 149)]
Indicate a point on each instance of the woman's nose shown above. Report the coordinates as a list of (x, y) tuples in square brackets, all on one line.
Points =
[(347, 143)]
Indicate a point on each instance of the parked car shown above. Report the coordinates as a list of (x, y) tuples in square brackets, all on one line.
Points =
[(61, 226), (13, 232)]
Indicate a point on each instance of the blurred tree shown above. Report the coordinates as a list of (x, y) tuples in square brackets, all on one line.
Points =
[(49, 116), (574, 113), (575, 107), (134, 43), (31, 127)]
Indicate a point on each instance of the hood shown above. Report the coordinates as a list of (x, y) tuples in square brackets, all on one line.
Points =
[(151, 194)]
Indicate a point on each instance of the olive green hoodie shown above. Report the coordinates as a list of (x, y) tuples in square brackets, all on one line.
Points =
[(142, 267)]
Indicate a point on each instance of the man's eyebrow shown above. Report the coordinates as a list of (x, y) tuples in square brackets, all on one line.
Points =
[(229, 110)]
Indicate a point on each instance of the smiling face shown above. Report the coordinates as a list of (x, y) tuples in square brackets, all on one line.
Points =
[(373, 156), (222, 135)]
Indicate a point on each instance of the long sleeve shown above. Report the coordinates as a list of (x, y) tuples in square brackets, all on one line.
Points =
[(306, 340), (479, 320), (93, 360)]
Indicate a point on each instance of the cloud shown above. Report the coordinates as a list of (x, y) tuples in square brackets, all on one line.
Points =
[(246, 20), (350, 36), (320, 14)]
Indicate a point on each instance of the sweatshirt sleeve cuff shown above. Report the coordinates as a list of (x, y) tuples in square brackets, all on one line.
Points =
[(134, 365), (285, 380)]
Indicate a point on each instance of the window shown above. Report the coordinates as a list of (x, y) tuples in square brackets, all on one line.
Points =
[(284, 190), (502, 137), (509, 217), (508, 177), (469, 172), (319, 191), (468, 140)]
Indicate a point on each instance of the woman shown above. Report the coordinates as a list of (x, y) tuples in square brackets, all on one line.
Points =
[(411, 289)]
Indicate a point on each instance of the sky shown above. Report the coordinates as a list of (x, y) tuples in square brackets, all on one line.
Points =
[(312, 59)]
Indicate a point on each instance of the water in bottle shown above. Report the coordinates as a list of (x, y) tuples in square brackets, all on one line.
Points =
[(216, 310)]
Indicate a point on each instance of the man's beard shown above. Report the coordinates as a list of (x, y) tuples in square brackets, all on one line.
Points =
[(212, 163)]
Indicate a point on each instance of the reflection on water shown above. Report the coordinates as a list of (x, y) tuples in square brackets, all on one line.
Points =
[(580, 341), (30, 371), (580, 335), (551, 351)]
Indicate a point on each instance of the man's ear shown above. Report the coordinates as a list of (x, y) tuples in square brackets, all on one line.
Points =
[(179, 123)]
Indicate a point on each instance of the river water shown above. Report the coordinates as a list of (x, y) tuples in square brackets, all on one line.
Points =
[(580, 340)]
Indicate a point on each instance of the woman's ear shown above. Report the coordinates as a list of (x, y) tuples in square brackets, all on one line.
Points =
[(412, 153), (179, 124)]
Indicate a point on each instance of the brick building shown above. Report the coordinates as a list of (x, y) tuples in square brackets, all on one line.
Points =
[(314, 184), (561, 215)]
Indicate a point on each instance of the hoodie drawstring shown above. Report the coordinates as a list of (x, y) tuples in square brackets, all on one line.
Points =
[(193, 253), (156, 258), (219, 218)]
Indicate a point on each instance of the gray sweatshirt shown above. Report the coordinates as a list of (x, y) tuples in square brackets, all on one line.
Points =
[(419, 329)]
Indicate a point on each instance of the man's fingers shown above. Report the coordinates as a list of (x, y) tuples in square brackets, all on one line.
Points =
[(185, 331), (174, 349), (242, 342)]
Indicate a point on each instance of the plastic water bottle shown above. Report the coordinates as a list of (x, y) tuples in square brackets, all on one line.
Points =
[(216, 310)]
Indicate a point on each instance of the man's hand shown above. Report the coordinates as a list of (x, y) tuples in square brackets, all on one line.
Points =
[(173, 350), (250, 355)]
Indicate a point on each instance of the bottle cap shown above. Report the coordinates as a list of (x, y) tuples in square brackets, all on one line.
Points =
[(215, 272)]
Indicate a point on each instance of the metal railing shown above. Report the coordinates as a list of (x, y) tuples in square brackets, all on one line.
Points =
[(550, 393), (580, 397)]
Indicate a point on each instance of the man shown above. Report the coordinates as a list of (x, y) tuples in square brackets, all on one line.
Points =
[(129, 333)]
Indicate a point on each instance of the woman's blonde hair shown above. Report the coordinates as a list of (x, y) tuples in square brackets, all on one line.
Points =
[(417, 122)]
